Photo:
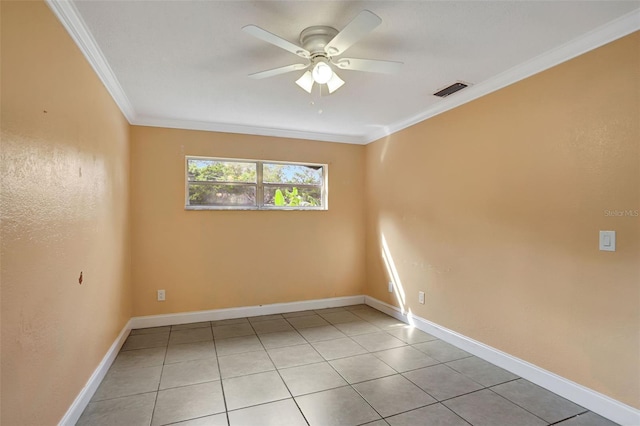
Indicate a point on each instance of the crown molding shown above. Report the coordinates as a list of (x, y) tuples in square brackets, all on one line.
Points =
[(70, 18), (600, 36), (249, 130)]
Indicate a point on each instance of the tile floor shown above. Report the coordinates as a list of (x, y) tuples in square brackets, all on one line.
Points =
[(338, 366)]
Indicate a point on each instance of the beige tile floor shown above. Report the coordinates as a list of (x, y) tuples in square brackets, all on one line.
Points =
[(338, 366)]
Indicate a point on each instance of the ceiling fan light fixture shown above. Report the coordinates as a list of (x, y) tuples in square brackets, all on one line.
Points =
[(335, 83), (322, 72), (306, 81)]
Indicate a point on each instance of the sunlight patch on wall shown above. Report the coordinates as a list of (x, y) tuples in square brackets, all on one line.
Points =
[(385, 147), (392, 272)]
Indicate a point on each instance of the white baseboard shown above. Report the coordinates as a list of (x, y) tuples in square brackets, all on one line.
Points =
[(82, 400), (241, 312), (588, 398)]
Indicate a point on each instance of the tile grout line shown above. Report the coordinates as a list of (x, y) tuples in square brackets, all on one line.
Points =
[(525, 409), (280, 375), (568, 418), (224, 396), (155, 402), (344, 378), (327, 361), (456, 414), (483, 387), (508, 400), (398, 373), (350, 385), (406, 344)]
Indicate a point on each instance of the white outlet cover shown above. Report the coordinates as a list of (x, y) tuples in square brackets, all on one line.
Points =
[(421, 297), (390, 286), (607, 240)]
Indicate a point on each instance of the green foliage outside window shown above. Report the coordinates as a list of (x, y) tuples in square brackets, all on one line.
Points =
[(294, 199), (226, 173)]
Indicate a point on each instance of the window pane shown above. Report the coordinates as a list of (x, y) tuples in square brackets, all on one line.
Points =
[(221, 195), (221, 171), (292, 196), (291, 173)]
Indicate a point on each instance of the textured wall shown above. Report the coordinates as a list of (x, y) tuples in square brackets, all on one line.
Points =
[(218, 259), (64, 206), (493, 209)]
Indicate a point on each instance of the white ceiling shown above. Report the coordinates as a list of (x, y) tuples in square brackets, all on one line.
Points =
[(185, 63)]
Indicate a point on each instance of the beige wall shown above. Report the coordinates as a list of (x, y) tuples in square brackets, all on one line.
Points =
[(219, 259), (65, 177), (493, 209)]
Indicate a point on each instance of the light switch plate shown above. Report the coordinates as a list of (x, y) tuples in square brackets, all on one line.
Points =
[(607, 240)]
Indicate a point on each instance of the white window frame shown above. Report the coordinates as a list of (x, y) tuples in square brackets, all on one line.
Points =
[(260, 185)]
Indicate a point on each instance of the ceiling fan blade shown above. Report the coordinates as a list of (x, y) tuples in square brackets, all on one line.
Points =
[(276, 40), (306, 81), (277, 71), (334, 83), (361, 25), (369, 65)]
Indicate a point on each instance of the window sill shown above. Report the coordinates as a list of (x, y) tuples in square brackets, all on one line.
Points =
[(262, 209)]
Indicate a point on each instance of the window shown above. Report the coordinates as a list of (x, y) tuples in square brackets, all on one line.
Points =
[(221, 183)]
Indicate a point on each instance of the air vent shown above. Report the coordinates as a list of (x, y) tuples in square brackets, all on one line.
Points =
[(450, 89)]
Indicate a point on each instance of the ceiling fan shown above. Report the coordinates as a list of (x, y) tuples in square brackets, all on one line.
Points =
[(321, 46)]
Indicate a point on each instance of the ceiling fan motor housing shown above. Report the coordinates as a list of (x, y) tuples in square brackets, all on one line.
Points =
[(315, 38)]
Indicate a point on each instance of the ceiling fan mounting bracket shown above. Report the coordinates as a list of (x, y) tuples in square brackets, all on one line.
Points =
[(315, 38)]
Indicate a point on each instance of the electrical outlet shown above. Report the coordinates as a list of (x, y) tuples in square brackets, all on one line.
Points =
[(390, 286), (161, 296), (421, 297)]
